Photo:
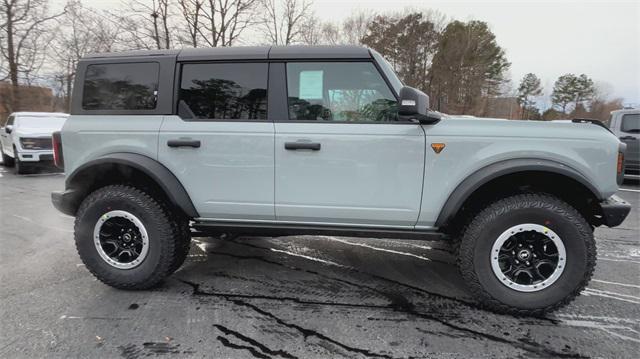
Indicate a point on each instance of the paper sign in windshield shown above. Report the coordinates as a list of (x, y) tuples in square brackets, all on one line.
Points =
[(311, 85)]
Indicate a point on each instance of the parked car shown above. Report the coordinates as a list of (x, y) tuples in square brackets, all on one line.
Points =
[(324, 140), (25, 139), (626, 125)]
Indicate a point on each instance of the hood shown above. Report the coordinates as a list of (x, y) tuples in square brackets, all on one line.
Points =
[(463, 125), (35, 132)]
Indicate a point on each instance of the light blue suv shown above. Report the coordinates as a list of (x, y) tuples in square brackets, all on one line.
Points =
[(299, 140)]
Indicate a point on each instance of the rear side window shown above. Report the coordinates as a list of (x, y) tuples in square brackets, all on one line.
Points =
[(631, 123), (124, 86), (223, 91)]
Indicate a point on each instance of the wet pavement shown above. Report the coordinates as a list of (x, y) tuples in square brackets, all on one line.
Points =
[(291, 297)]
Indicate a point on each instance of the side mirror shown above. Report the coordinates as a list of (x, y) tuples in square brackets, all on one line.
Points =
[(8, 129), (414, 106)]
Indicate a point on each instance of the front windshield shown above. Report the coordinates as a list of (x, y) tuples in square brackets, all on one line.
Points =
[(42, 122), (388, 71)]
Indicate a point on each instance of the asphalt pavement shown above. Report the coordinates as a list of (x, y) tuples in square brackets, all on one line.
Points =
[(291, 297)]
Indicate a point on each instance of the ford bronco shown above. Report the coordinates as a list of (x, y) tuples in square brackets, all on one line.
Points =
[(162, 145)]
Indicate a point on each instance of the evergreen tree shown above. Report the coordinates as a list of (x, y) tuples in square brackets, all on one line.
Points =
[(467, 66), (529, 88), (573, 90)]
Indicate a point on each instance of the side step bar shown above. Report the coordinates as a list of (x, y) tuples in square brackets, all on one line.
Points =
[(213, 228)]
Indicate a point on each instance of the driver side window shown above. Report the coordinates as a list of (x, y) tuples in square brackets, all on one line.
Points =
[(339, 92), (9, 121)]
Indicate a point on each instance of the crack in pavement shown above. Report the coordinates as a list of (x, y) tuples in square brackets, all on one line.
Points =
[(254, 342), (400, 304), (277, 298), (305, 332), (251, 349)]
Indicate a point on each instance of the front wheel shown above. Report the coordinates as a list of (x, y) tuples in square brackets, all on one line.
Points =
[(6, 160), (20, 167), (527, 254), (127, 239)]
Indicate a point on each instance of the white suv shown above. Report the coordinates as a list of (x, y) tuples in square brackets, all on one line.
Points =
[(26, 138)]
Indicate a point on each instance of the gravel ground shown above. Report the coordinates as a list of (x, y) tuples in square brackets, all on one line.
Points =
[(291, 297)]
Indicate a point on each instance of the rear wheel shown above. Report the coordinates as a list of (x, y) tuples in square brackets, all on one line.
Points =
[(527, 254), (128, 239)]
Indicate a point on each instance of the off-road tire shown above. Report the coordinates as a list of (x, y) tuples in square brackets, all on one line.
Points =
[(478, 237), (20, 167), (165, 237), (6, 160), (183, 242)]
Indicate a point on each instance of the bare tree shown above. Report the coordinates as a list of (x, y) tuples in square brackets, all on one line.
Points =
[(350, 32), (80, 32), (310, 33), (223, 21), (22, 41), (284, 24), (355, 27), (191, 11), (331, 34), (147, 25)]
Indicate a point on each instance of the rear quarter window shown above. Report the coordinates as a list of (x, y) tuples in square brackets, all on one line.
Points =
[(121, 86)]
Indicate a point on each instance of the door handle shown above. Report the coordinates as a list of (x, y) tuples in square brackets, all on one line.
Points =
[(184, 143), (315, 146), (627, 138)]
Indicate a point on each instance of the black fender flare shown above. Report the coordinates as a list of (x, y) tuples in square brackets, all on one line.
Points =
[(498, 169), (170, 185)]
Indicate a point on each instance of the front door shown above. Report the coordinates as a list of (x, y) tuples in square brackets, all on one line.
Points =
[(7, 139), (342, 157), (220, 145)]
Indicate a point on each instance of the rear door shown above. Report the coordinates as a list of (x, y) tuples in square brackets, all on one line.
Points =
[(220, 144), (342, 157)]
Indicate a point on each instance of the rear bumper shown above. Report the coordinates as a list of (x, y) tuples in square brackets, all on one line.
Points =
[(65, 202), (614, 211)]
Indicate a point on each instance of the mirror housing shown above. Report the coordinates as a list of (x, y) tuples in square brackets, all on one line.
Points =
[(414, 106), (8, 129)]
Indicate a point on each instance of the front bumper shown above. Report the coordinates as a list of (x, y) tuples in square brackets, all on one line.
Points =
[(631, 169), (35, 156), (614, 211), (65, 201)]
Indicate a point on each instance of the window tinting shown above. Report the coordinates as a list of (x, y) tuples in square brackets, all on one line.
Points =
[(126, 86), (339, 91), (631, 123), (223, 91)]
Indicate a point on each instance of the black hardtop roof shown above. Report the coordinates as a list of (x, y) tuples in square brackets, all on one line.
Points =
[(245, 53)]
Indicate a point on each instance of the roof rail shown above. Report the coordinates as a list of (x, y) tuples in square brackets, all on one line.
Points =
[(591, 120)]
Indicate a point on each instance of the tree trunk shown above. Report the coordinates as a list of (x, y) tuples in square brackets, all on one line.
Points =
[(13, 64)]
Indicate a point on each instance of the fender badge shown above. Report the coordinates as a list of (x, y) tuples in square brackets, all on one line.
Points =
[(437, 147)]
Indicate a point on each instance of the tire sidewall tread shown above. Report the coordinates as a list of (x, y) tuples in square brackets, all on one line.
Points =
[(480, 234), (162, 229)]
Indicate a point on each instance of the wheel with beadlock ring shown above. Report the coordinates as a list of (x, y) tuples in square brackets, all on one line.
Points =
[(127, 238), (527, 254)]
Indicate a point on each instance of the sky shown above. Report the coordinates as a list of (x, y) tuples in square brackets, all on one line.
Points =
[(548, 38)]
